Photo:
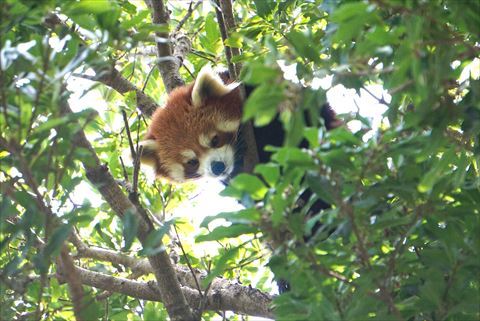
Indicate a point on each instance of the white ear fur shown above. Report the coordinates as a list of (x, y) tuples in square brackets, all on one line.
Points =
[(209, 84)]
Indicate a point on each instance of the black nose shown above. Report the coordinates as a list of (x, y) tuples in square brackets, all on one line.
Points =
[(218, 168)]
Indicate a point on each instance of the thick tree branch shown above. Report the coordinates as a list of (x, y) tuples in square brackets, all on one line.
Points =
[(99, 175), (142, 266), (113, 78), (168, 65), (73, 281), (233, 297)]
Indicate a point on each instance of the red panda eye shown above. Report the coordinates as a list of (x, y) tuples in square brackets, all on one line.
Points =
[(215, 141), (193, 162)]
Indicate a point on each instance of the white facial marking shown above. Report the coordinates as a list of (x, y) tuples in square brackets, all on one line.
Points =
[(204, 140), (228, 126), (176, 172), (149, 143), (188, 154), (223, 154), (150, 148)]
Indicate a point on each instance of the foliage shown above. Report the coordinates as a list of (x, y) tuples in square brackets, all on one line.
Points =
[(401, 241)]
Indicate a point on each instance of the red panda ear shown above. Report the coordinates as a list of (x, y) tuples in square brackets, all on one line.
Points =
[(149, 153), (209, 84)]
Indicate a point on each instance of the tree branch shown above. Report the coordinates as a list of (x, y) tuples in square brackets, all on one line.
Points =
[(226, 23), (110, 77), (114, 79), (142, 266), (230, 26), (167, 64), (234, 297), (191, 9), (224, 34), (73, 281), (99, 176)]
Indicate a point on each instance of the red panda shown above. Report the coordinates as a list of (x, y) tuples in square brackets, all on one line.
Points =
[(194, 134), (197, 133)]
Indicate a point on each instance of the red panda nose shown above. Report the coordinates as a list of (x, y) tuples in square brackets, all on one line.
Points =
[(218, 168)]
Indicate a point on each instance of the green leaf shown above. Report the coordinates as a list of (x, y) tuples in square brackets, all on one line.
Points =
[(352, 19), (91, 308), (257, 73), (221, 264), (312, 135), (336, 158), (245, 216), (153, 243), (235, 40), (270, 172), (89, 6), (304, 45), (292, 156), (107, 238), (223, 232), (262, 104), (321, 186), (7, 208), (341, 135), (136, 19), (211, 38), (56, 122), (436, 172), (391, 219), (264, 7), (12, 266), (130, 227), (154, 311), (249, 184), (349, 11), (211, 28), (55, 242)]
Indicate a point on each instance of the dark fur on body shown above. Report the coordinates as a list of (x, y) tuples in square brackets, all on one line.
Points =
[(273, 134)]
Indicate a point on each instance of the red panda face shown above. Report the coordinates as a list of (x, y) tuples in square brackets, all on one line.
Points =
[(194, 134)]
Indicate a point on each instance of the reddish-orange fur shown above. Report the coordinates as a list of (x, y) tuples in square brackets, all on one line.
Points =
[(178, 125)]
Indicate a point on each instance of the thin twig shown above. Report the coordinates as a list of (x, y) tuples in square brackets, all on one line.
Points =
[(188, 262), (2, 90), (136, 170), (187, 15), (46, 62), (125, 174), (130, 141), (134, 64), (203, 55), (188, 70), (379, 100), (401, 87), (148, 78)]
